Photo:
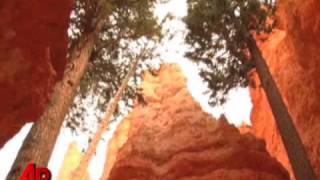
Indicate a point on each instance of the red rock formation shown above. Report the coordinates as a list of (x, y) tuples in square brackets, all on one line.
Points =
[(172, 138), (120, 136), (33, 48), (292, 53)]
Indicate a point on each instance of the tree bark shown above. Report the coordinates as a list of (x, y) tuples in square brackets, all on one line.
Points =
[(297, 155), (85, 160), (39, 143)]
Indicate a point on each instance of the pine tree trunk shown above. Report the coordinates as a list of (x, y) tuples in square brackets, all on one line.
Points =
[(39, 143), (290, 137), (84, 163)]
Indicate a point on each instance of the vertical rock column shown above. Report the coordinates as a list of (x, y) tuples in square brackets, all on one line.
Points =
[(292, 53), (172, 138)]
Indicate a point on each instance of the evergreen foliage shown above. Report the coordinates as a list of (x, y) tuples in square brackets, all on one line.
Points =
[(130, 27), (218, 34)]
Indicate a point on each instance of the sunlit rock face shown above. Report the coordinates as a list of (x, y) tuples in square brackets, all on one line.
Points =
[(172, 138), (292, 53), (70, 163), (33, 48)]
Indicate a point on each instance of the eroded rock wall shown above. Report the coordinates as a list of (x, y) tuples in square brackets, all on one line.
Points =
[(292, 53), (33, 48), (172, 138)]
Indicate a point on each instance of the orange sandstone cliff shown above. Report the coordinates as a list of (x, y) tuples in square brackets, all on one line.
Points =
[(33, 48), (172, 138), (292, 53)]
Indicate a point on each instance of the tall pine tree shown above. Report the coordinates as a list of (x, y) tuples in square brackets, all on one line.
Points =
[(93, 19), (220, 33)]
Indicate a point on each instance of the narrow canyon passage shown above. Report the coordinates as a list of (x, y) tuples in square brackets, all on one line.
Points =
[(171, 137)]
